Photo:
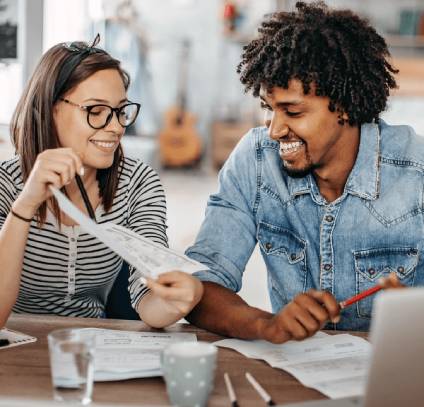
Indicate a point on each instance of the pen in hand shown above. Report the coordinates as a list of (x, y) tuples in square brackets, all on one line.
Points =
[(360, 296)]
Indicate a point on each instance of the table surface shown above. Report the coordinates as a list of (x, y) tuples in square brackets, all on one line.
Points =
[(25, 370)]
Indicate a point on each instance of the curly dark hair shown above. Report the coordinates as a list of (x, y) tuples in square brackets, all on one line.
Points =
[(335, 50)]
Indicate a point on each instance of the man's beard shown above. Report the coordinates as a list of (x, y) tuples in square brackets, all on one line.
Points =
[(298, 173), (301, 172)]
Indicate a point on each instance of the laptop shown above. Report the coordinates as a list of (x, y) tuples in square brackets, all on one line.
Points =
[(396, 375)]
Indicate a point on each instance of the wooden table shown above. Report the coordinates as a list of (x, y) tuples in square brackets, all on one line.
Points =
[(25, 370)]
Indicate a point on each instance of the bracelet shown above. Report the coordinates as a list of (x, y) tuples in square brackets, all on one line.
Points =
[(20, 217)]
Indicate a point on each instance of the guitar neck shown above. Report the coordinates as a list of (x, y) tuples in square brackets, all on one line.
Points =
[(182, 81)]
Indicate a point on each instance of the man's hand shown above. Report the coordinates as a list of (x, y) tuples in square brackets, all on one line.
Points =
[(301, 318), (391, 281)]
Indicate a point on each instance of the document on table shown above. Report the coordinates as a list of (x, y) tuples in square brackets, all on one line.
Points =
[(149, 258), (335, 365), (122, 355), (41, 401), (15, 338)]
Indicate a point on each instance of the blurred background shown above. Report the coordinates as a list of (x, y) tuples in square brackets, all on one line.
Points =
[(182, 57)]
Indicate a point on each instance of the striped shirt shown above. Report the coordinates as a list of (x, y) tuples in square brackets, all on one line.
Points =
[(69, 272)]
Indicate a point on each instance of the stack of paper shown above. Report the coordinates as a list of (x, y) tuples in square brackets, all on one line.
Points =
[(122, 355), (335, 365)]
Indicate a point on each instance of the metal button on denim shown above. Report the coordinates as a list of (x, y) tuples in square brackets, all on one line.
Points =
[(401, 269), (329, 218), (268, 246), (327, 267)]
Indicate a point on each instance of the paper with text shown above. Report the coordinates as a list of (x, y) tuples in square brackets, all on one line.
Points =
[(335, 365), (121, 355), (149, 258)]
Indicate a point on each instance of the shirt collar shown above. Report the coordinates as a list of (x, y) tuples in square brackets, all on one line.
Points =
[(299, 186), (363, 180)]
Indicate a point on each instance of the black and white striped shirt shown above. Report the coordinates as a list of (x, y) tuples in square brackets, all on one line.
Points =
[(69, 272)]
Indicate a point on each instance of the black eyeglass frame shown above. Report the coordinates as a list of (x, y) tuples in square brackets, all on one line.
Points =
[(116, 110)]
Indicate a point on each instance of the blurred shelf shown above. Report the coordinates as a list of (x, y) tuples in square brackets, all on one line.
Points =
[(405, 41), (410, 77)]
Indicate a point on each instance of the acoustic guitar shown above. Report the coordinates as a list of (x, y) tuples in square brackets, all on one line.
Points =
[(179, 142)]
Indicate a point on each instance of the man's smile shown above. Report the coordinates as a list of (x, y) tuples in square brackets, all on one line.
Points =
[(289, 150)]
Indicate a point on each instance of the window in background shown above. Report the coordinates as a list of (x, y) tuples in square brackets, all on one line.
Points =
[(10, 69)]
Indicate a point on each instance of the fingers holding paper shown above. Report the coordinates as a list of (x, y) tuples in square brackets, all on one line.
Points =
[(177, 289), (303, 317)]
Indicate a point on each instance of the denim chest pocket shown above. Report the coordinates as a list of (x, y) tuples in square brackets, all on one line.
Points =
[(372, 264), (285, 257)]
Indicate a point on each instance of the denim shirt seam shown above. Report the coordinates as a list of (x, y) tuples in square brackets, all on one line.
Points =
[(270, 192), (370, 195), (258, 162), (400, 219), (403, 162)]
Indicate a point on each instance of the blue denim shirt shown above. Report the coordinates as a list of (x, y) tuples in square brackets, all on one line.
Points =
[(375, 227)]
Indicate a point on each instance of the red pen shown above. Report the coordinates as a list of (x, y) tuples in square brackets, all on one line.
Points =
[(360, 296)]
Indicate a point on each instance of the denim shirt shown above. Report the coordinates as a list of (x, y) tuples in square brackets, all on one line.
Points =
[(344, 247)]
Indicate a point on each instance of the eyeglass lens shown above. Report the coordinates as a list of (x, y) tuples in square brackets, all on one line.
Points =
[(99, 115)]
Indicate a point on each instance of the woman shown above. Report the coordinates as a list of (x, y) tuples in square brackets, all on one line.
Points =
[(70, 120)]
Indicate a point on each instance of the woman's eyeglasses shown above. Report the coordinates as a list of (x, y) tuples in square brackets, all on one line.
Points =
[(99, 116)]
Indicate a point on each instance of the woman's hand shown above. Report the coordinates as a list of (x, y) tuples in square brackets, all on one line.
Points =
[(180, 291), (56, 167)]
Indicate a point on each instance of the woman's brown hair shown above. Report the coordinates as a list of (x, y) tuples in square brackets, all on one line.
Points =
[(32, 127)]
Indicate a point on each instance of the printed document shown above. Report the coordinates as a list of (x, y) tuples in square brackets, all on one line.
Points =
[(15, 338), (335, 365), (149, 258), (122, 355)]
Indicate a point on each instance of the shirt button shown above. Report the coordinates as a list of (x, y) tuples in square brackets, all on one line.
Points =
[(329, 218), (371, 271), (293, 256), (401, 269), (327, 267), (268, 246), (72, 239)]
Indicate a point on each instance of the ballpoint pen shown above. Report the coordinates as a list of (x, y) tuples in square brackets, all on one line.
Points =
[(261, 391), (230, 390)]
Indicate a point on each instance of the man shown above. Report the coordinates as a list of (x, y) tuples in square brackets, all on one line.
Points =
[(332, 195)]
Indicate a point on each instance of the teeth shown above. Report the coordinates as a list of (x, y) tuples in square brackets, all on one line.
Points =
[(106, 144), (286, 147)]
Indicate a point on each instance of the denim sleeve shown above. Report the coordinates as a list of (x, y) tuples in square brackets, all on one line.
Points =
[(227, 236)]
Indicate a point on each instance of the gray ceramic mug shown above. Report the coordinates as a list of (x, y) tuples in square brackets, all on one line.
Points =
[(189, 372)]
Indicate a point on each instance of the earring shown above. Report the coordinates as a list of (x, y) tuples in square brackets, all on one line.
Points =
[(342, 118)]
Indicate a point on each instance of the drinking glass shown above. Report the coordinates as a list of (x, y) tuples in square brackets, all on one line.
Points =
[(72, 364)]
